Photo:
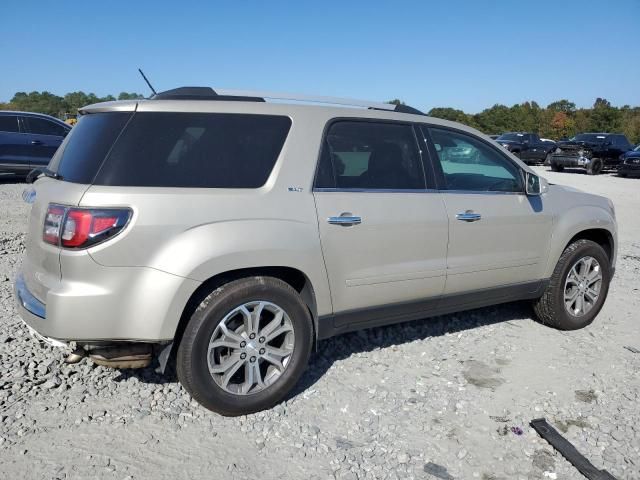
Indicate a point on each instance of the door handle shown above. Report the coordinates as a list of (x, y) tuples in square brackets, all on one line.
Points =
[(345, 219), (468, 216), (36, 142)]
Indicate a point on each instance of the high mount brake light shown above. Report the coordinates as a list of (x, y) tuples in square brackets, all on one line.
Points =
[(82, 227)]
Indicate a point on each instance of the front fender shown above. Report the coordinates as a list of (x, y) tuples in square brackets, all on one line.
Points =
[(575, 220)]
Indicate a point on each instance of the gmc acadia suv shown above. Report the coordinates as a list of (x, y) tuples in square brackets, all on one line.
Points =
[(232, 233)]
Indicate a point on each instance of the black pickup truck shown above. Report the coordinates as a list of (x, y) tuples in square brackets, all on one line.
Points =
[(592, 151), (528, 146)]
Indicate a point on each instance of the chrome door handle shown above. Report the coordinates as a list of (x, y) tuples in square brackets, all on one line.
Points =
[(468, 216), (345, 220)]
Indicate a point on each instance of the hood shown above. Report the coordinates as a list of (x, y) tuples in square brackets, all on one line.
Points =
[(631, 154)]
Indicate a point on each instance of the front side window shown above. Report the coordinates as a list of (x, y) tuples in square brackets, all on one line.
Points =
[(370, 155), (41, 126), (467, 163), (9, 123)]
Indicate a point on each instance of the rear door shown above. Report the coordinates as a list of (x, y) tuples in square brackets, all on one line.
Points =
[(13, 146), (498, 236), (383, 231), (43, 139)]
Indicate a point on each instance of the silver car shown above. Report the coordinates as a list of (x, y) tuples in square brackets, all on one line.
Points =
[(228, 232)]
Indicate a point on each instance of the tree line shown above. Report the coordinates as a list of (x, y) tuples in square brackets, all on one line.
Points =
[(56, 106), (559, 119)]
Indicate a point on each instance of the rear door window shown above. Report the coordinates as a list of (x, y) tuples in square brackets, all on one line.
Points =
[(364, 155), (41, 126), (9, 123), (205, 150)]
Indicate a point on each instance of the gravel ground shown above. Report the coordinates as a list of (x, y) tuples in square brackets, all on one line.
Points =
[(446, 398)]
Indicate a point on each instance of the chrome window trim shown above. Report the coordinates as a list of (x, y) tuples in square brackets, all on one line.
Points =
[(375, 190), (427, 190)]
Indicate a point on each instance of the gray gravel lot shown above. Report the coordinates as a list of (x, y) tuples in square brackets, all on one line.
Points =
[(433, 399)]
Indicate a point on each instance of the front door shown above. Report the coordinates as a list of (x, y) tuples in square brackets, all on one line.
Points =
[(383, 233), (498, 236)]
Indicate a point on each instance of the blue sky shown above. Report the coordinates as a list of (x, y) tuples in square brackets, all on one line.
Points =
[(463, 54)]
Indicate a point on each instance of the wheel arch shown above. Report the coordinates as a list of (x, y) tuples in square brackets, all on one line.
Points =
[(294, 277)]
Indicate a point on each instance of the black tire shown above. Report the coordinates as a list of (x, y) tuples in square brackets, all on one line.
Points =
[(550, 308), (557, 168), (621, 174), (595, 167), (191, 362)]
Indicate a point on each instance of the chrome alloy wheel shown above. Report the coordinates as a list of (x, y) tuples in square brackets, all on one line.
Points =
[(582, 286), (251, 347)]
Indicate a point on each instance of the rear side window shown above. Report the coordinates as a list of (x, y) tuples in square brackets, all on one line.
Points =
[(206, 150), (9, 123), (81, 154), (370, 155), (41, 126)]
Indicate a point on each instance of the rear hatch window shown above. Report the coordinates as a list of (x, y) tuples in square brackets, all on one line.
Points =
[(167, 149), (85, 148)]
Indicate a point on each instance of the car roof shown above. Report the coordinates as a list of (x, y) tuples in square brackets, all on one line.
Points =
[(30, 114), (205, 99)]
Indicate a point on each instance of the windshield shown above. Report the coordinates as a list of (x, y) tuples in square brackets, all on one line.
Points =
[(514, 137), (590, 137), (637, 149)]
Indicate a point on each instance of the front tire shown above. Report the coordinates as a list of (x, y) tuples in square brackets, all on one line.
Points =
[(595, 167), (245, 346), (577, 289), (557, 168)]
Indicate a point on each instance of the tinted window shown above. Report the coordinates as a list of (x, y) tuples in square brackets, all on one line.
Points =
[(210, 150), (41, 126), (515, 137), (369, 155), (9, 123), (590, 137), (83, 151), (470, 164)]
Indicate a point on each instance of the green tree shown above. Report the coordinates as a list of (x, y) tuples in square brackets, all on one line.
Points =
[(44, 102), (132, 96)]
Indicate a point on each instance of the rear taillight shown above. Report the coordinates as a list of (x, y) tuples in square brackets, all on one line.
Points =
[(82, 227)]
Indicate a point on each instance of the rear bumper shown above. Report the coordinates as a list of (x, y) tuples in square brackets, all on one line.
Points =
[(111, 304)]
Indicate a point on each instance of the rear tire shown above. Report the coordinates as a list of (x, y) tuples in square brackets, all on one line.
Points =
[(621, 174), (222, 360), (552, 309), (557, 168)]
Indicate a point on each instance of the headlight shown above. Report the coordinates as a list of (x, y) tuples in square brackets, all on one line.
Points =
[(581, 153), (505, 145), (558, 150)]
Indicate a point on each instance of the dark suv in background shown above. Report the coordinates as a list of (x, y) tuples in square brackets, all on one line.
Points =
[(592, 151), (528, 146), (28, 140)]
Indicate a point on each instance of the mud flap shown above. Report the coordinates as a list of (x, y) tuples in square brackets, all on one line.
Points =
[(568, 451)]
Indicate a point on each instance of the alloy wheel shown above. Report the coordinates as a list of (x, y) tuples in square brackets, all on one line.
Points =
[(251, 347), (582, 286)]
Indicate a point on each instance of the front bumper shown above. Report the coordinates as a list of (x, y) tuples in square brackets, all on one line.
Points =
[(630, 169), (571, 162)]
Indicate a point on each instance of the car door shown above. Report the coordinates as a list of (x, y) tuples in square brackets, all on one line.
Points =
[(537, 148), (498, 236), (13, 155), (383, 232), (43, 139)]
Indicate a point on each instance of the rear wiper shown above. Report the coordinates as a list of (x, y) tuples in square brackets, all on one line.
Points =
[(36, 172)]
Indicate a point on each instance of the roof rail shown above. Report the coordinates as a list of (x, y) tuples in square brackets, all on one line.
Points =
[(207, 93)]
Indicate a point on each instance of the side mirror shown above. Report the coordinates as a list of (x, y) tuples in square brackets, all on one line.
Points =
[(535, 185)]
